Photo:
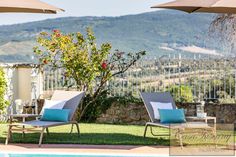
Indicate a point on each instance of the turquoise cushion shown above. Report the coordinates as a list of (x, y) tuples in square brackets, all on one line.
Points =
[(56, 115), (172, 116)]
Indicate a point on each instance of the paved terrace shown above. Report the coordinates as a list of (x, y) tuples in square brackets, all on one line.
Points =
[(84, 149), (101, 149)]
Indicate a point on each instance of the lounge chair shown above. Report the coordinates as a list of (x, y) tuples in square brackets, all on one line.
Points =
[(73, 100), (165, 97)]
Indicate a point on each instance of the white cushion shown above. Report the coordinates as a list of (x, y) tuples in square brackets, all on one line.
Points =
[(160, 105), (52, 104)]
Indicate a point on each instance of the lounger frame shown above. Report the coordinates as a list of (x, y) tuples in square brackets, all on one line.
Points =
[(165, 97), (73, 100)]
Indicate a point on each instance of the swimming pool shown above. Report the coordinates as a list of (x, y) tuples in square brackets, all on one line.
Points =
[(65, 155)]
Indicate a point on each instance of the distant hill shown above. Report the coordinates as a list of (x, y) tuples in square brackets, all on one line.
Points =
[(157, 32)]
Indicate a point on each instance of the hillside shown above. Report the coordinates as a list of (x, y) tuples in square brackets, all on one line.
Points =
[(156, 32)]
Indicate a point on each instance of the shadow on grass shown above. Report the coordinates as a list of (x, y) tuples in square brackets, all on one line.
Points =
[(89, 139)]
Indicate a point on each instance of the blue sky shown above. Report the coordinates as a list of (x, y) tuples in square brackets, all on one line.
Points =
[(85, 8)]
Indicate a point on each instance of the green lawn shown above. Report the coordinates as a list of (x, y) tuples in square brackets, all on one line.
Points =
[(97, 134)]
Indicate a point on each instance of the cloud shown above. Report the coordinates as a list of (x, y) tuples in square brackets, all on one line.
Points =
[(199, 50), (166, 48)]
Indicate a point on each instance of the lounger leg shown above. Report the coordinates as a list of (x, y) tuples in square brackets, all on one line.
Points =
[(152, 132), (23, 131), (41, 137), (145, 131), (77, 126), (23, 128), (180, 138), (72, 127), (47, 130), (8, 135)]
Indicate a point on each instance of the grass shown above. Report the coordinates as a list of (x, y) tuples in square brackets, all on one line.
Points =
[(97, 134)]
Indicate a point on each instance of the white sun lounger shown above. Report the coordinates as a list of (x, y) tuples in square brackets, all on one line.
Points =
[(73, 100), (165, 97)]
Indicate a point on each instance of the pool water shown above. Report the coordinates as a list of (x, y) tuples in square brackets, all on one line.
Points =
[(64, 155)]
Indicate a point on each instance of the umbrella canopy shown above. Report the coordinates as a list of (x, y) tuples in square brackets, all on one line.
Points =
[(210, 6), (27, 6)]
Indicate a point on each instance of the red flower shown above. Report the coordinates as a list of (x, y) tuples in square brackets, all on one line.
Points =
[(56, 31), (58, 35), (104, 65), (45, 61)]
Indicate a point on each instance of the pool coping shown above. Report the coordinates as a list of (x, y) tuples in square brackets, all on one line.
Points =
[(76, 149)]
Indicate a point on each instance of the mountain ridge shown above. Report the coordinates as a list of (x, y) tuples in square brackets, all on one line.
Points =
[(146, 31)]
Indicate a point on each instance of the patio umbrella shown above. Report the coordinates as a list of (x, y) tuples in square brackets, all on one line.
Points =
[(27, 6), (210, 6)]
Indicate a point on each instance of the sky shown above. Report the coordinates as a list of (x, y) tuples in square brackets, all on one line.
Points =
[(85, 8)]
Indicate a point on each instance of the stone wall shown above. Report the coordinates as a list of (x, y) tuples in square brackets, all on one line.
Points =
[(137, 114), (125, 114), (224, 113)]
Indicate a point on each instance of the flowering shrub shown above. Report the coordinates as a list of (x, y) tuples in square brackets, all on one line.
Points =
[(89, 65)]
